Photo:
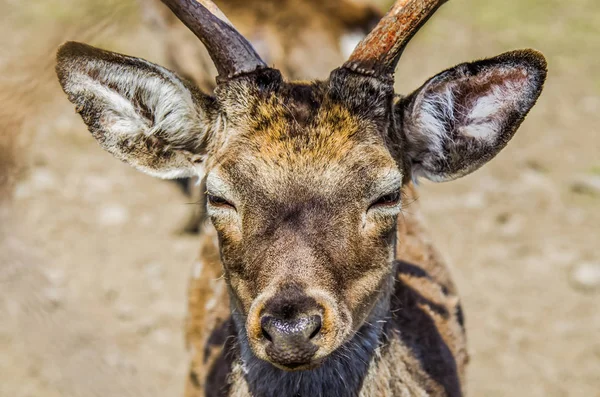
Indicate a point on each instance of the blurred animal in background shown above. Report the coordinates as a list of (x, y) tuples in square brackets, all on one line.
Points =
[(304, 39), (325, 290)]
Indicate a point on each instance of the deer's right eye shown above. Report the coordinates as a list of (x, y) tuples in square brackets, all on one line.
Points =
[(218, 201)]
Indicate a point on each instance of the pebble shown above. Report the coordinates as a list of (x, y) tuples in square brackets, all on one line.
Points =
[(512, 226), (590, 104), (161, 336), (113, 215), (97, 185), (125, 312), (587, 184), (23, 190), (43, 179), (53, 297), (56, 277), (40, 180), (474, 200), (154, 270), (586, 276)]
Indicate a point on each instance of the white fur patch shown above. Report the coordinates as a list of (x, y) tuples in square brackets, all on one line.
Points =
[(483, 121), (435, 110), (172, 106)]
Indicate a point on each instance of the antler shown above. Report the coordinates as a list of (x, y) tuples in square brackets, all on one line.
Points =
[(379, 52), (231, 53)]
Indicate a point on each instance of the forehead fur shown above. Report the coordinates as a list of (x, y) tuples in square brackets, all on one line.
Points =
[(303, 129)]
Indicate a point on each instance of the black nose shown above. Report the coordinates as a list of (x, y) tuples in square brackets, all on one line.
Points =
[(289, 340)]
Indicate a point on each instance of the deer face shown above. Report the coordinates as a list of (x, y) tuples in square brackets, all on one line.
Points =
[(304, 194), (303, 179)]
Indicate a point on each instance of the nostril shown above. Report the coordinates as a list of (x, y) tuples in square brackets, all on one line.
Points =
[(266, 335), (264, 324), (317, 326), (315, 332)]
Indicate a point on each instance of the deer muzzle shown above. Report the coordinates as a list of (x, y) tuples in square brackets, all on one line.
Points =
[(289, 341), (294, 328)]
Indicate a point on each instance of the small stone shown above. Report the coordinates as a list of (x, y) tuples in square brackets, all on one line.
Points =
[(56, 277), (587, 184), (23, 191), (54, 297), (161, 336), (576, 216), (43, 179), (125, 312), (153, 270), (146, 327), (590, 104), (512, 225), (586, 276), (111, 295), (536, 166), (98, 185), (113, 215), (146, 220), (474, 200), (503, 218), (114, 359)]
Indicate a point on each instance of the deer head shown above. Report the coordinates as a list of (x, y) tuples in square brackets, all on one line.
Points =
[(303, 179)]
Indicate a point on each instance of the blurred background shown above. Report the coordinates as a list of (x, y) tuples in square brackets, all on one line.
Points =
[(94, 264)]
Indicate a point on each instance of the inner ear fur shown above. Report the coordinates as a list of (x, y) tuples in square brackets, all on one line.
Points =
[(464, 116), (140, 112)]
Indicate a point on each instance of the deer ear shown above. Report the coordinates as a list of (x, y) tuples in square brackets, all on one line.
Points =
[(139, 112), (461, 118)]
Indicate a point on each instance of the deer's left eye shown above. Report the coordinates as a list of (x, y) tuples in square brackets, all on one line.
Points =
[(388, 200), (218, 201)]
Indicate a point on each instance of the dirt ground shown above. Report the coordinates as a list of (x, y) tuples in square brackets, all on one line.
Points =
[(93, 271)]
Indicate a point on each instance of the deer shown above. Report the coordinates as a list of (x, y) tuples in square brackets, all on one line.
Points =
[(313, 279)]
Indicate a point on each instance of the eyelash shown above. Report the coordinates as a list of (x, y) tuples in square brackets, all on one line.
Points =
[(388, 200), (218, 201)]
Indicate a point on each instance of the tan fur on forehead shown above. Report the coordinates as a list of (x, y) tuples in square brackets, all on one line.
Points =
[(300, 128), (329, 139)]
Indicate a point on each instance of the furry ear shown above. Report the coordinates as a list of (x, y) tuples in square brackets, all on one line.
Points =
[(139, 112), (461, 118)]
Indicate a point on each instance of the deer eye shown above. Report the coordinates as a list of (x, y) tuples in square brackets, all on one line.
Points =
[(387, 200), (218, 201)]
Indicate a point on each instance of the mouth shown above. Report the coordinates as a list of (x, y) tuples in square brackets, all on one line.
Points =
[(295, 367)]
